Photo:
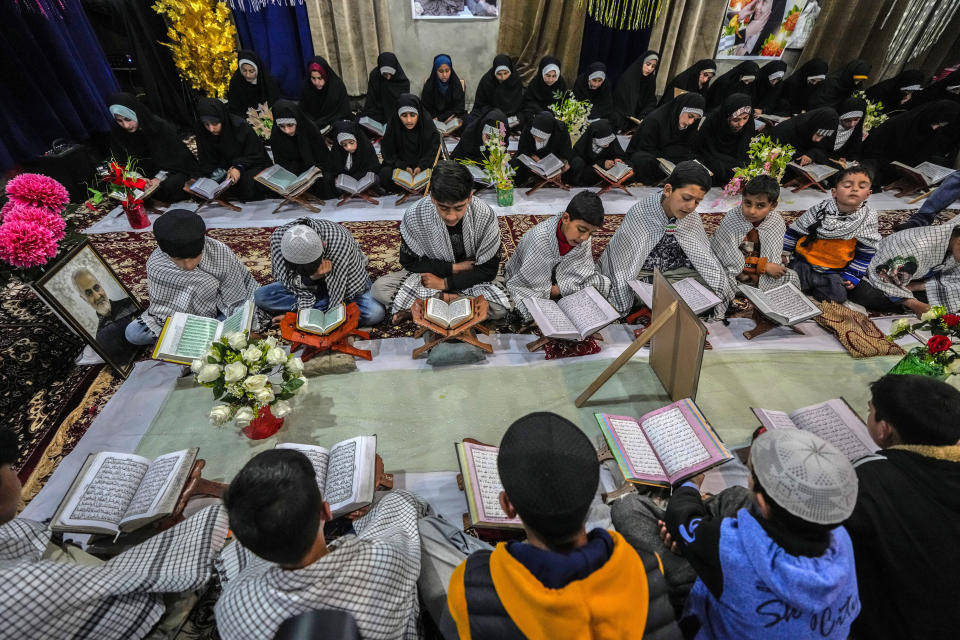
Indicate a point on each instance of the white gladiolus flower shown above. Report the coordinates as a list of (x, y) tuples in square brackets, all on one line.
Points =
[(196, 365), (220, 414), (234, 372), (237, 340), (271, 342), (294, 366), (280, 408), (264, 396), (255, 383), (251, 355), (276, 356), (303, 387), (929, 315), (244, 416), (900, 324), (208, 373), (952, 367), (210, 354)]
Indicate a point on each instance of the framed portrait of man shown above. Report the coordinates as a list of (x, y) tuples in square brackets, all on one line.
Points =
[(88, 296)]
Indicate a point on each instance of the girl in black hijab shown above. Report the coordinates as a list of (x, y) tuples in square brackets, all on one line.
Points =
[(696, 79), (324, 96), (741, 79), (723, 140), (442, 93), (411, 141), (353, 154), (251, 84), (538, 96), (229, 148), (598, 145), (546, 135), (808, 131), (636, 92), (155, 144), (896, 92), (500, 88), (592, 85), (668, 132), (769, 86), (384, 86), (297, 145), (946, 88), (919, 135), (471, 142), (840, 85), (799, 88), (848, 140)]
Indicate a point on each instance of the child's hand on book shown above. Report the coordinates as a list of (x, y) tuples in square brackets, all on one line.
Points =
[(775, 270)]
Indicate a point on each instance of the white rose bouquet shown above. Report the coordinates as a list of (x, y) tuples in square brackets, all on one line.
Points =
[(247, 376)]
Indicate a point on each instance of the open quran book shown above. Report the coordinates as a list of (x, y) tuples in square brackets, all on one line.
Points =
[(833, 420), (286, 183), (616, 172), (547, 167), (413, 182), (481, 484), (321, 322), (373, 126), (479, 175), (351, 185), (447, 128), (785, 305), (574, 317), (772, 118), (448, 315), (120, 492), (663, 447), (814, 171), (185, 337), (698, 297), (209, 189), (925, 173), (346, 472), (139, 194), (513, 121), (667, 166)]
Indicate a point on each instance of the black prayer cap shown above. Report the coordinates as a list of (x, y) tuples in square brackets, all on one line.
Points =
[(180, 233), (549, 470)]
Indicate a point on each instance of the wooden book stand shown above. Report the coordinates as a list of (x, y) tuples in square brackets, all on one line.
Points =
[(336, 340), (410, 193), (196, 486), (556, 180), (906, 186), (487, 534), (299, 197), (613, 184), (801, 181), (206, 201), (463, 332), (363, 195)]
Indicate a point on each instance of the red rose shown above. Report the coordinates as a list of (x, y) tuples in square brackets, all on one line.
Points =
[(951, 320), (139, 183), (936, 344)]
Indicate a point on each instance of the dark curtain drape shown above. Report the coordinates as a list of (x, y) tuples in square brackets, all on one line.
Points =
[(616, 48), (55, 77), (532, 29), (280, 34), (131, 27)]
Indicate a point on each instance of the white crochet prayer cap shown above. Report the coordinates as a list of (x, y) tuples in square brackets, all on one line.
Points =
[(300, 244), (806, 475)]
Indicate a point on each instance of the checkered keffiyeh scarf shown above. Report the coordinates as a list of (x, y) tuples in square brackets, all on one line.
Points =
[(531, 270), (641, 230), (372, 575), (120, 599), (861, 224), (425, 233), (219, 284), (729, 236), (929, 249), (347, 279)]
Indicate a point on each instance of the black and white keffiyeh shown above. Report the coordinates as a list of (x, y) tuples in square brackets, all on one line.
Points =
[(347, 279), (372, 575), (729, 236), (219, 284), (641, 230), (426, 235), (537, 261), (119, 599), (913, 254), (862, 224)]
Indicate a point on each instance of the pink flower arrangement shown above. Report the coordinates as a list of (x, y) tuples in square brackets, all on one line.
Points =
[(26, 213), (38, 190), (32, 225), (26, 244)]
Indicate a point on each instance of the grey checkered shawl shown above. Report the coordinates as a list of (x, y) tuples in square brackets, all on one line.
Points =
[(729, 236), (120, 599), (641, 230), (426, 235), (372, 575), (219, 284), (861, 224), (530, 271), (347, 279), (930, 247)]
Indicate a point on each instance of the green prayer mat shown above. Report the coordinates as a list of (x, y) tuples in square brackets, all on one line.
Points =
[(418, 414)]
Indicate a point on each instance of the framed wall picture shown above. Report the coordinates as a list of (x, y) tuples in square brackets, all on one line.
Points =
[(88, 296), (454, 9)]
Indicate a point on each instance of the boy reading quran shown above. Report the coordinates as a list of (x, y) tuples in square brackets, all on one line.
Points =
[(449, 243), (782, 567), (317, 263), (555, 258), (749, 240), (49, 590), (663, 231), (282, 565), (906, 523), (190, 273), (563, 582), (833, 242)]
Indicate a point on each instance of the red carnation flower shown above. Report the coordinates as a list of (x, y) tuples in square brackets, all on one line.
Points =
[(951, 320), (139, 183), (937, 344)]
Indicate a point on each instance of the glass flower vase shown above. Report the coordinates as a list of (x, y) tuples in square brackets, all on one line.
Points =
[(136, 216), (505, 196), (264, 425), (914, 364)]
